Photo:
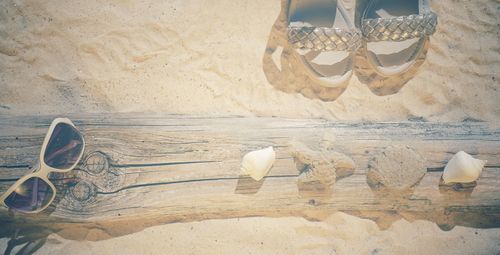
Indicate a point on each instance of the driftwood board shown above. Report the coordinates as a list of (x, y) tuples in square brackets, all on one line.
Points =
[(160, 169)]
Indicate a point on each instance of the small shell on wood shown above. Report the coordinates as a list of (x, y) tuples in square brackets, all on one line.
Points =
[(462, 168), (258, 163)]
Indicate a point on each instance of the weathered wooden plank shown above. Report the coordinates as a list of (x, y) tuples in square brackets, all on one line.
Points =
[(167, 141), (187, 168)]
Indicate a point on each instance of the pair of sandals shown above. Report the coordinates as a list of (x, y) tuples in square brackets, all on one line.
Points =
[(384, 46)]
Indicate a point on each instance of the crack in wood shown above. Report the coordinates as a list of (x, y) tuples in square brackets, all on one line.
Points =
[(188, 181), (16, 166), (161, 164)]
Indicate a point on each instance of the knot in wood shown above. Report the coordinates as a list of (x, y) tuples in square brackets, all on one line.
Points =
[(96, 162), (83, 192), (100, 173)]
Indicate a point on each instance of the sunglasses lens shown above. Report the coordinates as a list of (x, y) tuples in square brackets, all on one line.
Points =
[(31, 195), (64, 148)]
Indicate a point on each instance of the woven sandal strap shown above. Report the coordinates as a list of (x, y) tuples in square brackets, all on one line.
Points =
[(399, 28), (324, 39)]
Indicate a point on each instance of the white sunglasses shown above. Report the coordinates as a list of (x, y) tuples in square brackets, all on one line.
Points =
[(61, 151)]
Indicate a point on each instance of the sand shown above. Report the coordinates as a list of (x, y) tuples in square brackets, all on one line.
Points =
[(205, 57), (338, 234)]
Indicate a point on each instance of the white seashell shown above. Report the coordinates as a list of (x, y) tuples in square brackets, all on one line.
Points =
[(462, 168), (258, 163)]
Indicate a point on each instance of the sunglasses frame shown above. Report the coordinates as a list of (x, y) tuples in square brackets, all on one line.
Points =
[(43, 170)]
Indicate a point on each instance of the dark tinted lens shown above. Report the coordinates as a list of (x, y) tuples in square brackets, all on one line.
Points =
[(31, 195), (64, 147)]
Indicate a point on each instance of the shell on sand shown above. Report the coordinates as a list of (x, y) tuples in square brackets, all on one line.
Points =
[(257, 163), (462, 168)]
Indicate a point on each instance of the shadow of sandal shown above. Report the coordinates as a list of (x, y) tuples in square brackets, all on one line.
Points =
[(381, 85), (285, 69), (396, 39)]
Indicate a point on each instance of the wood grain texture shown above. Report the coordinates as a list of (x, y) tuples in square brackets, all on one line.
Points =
[(162, 169)]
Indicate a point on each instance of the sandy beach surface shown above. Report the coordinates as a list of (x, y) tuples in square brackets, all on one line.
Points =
[(338, 234), (205, 57)]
